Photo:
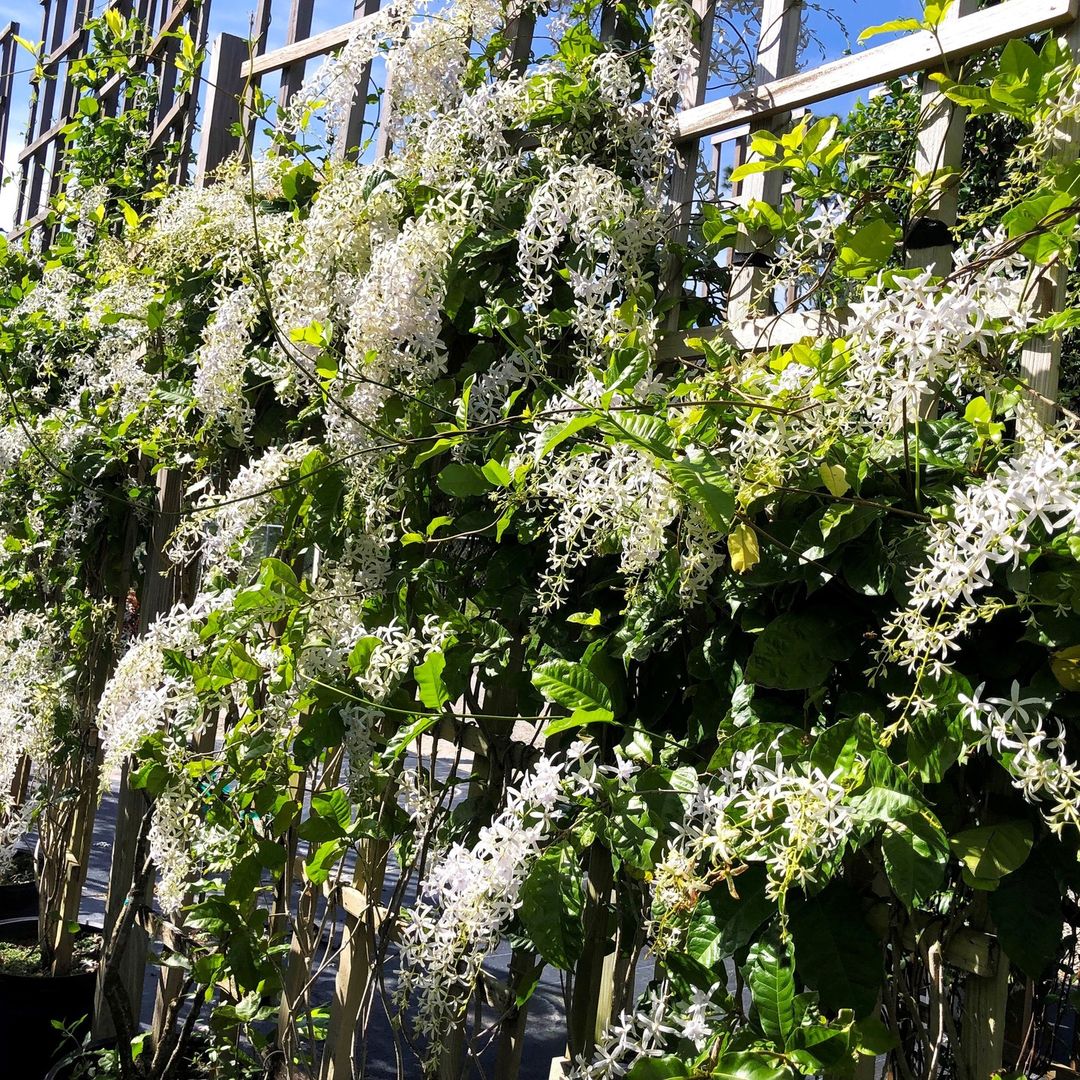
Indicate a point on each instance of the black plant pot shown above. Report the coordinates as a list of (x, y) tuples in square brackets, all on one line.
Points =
[(19, 901), (29, 1042)]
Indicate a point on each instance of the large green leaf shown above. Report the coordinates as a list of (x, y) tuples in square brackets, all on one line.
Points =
[(916, 853), (795, 651), (704, 482), (989, 852), (727, 918), (661, 1068), (866, 249), (836, 953), (747, 1065), (551, 907), (1026, 908), (461, 480), (771, 978), (429, 681), (574, 687)]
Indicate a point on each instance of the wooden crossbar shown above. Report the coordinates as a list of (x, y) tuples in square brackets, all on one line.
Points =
[(305, 49), (960, 38)]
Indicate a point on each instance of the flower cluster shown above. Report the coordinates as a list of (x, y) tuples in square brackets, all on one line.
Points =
[(221, 364), (1015, 728), (467, 899), (143, 696), (1034, 494), (31, 698), (220, 524)]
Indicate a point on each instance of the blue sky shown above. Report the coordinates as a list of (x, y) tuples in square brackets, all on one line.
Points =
[(835, 31)]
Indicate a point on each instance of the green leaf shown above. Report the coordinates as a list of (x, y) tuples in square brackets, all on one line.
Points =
[(317, 868), (794, 652), (462, 480), (573, 686), (704, 482), (834, 477), (244, 878), (642, 431), (1027, 913), (749, 1066), (916, 855), (661, 1068), (989, 852), (404, 737), (334, 806), (892, 27), (429, 681), (556, 434), (440, 446), (836, 953), (1031, 216), (497, 473), (867, 249), (585, 618), (578, 718), (657, 1068), (729, 915), (771, 978), (934, 13), (551, 904)]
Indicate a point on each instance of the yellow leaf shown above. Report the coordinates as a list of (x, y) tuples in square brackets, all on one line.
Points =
[(1065, 664), (742, 546), (834, 477)]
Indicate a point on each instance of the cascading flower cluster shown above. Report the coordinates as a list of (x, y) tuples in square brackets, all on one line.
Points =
[(219, 524), (32, 696), (1015, 728), (143, 696), (991, 524), (468, 898)]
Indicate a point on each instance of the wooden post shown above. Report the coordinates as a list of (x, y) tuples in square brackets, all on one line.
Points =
[(1041, 357), (225, 86), (776, 55), (985, 998), (940, 146), (928, 244), (681, 187), (590, 1005), (170, 980), (354, 982)]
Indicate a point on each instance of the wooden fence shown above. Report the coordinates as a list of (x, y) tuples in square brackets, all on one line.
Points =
[(39, 166), (237, 67)]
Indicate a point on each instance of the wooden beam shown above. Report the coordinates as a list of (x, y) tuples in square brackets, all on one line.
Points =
[(43, 139), (171, 22), (1040, 360), (962, 37), (317, 45), (176, 110)]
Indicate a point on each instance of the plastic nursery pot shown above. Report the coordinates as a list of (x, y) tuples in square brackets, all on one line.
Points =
[(29, 1004), (19, 900)]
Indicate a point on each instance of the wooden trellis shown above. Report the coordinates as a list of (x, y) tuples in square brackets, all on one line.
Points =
[(64, 37)]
